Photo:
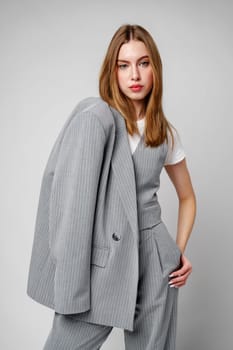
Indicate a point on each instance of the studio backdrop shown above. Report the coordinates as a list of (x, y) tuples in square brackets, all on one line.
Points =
[(51, 52)]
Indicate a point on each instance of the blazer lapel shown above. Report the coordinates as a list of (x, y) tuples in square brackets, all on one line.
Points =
[(123, 168)]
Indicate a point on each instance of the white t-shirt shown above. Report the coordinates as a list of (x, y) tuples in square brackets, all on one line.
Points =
[(174, 155)]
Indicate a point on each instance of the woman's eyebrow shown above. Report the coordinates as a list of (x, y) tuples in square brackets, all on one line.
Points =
[(146, 56)]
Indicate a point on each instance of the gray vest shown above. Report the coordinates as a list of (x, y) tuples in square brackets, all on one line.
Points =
[(148, 164)]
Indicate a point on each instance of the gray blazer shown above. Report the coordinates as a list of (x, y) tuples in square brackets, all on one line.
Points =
[(85, 250)]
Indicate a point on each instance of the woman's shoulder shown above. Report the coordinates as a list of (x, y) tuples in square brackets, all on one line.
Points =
[(92, 105), (89, 102), (175, 150), (90, 112)]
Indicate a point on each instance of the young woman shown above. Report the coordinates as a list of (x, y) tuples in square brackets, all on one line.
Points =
[(102, 256)]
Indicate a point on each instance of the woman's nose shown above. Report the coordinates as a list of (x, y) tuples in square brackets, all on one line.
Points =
[(135, 73)]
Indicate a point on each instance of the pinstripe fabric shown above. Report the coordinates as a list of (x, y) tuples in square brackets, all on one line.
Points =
[(156, 309), (96, 203), (155, 316), (67, 334)]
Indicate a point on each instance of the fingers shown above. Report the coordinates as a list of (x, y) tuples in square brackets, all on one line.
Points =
[(179, 277), (179, 281), (182, 271)]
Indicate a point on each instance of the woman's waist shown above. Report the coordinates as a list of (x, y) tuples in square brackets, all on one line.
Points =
[(149, 214)]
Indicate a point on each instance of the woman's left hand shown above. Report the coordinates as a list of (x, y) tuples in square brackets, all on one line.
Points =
[(178, 278)]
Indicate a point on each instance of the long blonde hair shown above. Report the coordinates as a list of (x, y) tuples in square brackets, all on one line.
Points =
[(156, 124)]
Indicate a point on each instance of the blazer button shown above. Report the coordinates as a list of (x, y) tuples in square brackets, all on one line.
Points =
[(116, 237)]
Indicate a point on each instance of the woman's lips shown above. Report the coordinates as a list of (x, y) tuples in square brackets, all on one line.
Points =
[(136, 88)]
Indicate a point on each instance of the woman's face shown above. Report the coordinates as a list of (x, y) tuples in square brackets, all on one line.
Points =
[(134, 72)]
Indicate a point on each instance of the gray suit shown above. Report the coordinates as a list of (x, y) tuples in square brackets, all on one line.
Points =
[(92, 208)]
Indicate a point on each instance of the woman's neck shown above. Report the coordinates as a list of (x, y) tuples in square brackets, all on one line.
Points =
[(139, 110)]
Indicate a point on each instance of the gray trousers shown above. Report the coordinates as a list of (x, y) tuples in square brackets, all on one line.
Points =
[(156, 308)]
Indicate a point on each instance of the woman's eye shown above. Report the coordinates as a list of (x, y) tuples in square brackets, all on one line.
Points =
[(122, 66), (144, 63)]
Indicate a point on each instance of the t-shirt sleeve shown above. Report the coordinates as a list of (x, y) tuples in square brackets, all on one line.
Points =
[(175, 154)]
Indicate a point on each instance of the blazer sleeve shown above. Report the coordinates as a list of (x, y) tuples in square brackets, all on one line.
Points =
[(72, 209)]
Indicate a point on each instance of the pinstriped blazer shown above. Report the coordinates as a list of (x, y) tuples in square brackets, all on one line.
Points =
[(84, 256)]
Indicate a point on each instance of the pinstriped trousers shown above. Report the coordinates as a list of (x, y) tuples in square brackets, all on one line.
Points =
[(156, 307)]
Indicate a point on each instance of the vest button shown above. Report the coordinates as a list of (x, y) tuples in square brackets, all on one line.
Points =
[(116, 237)]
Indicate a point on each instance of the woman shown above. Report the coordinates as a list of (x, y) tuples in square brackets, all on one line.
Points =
[(102, 256)]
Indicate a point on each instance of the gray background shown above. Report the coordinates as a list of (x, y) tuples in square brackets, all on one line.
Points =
[(51, 53)]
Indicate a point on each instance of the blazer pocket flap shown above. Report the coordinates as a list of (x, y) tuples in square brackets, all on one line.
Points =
[(100, 256)]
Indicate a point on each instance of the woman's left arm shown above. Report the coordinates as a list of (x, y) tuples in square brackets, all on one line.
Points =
[(179, 175)]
